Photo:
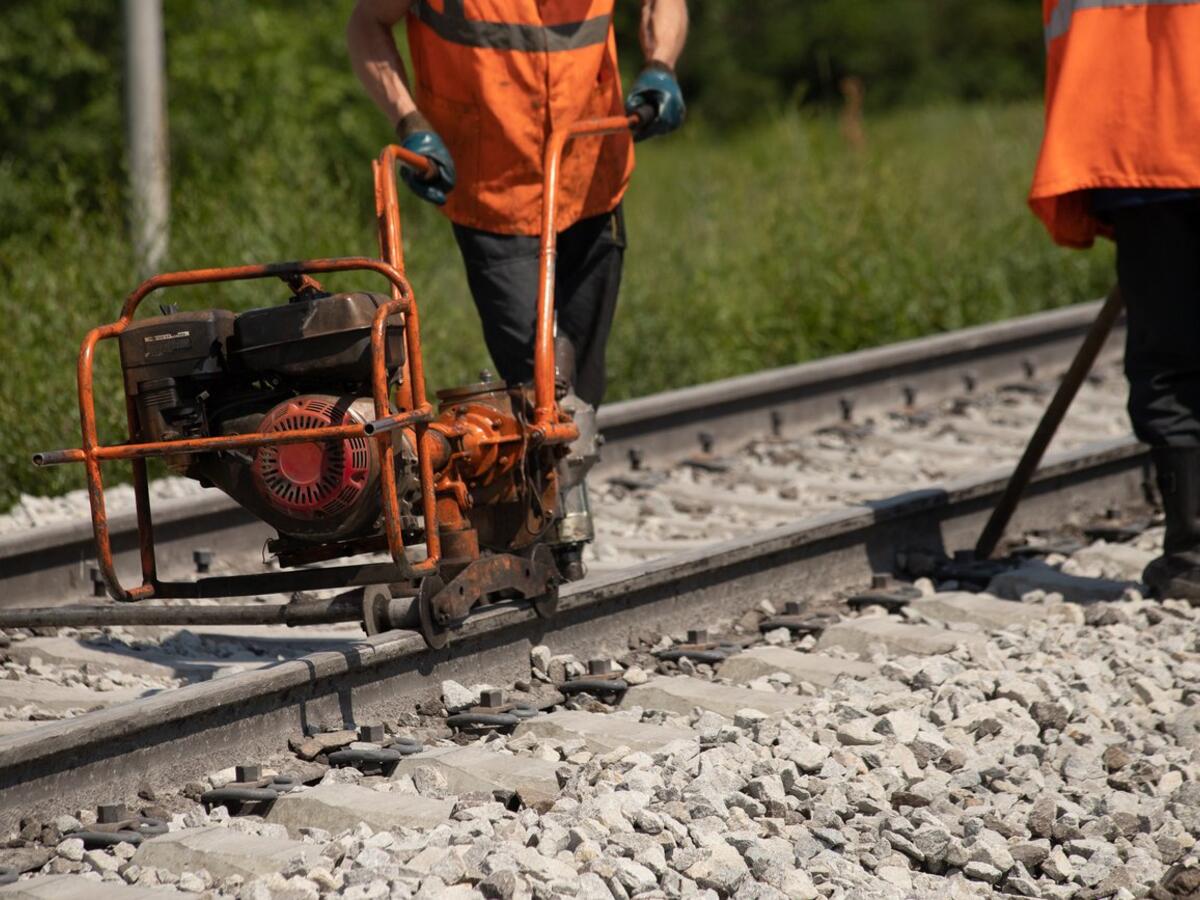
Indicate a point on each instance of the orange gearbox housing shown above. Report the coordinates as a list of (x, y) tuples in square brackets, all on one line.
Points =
[(484, 479)]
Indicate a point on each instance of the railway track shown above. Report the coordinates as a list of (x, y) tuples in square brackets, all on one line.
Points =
[(733, 500), (51, 558)]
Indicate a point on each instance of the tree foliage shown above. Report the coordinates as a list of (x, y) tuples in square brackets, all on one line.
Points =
[(747, 57), (245, 75)]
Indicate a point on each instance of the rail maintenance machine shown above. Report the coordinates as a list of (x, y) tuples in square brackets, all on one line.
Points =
[(313, 416)]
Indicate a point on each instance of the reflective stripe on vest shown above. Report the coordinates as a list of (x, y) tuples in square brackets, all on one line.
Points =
[(1060, 19), (453, 25)]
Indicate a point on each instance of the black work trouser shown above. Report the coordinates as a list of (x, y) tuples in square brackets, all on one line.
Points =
[(1158, 267), (502, 272)]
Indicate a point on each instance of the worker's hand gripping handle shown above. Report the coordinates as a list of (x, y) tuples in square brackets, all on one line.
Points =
[(422, 166), (642, 115)]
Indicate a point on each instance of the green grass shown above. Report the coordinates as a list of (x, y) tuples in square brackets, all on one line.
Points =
[(759, 248)]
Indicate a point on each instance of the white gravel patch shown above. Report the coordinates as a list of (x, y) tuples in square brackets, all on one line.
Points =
[(44, 512), (1061, 760)]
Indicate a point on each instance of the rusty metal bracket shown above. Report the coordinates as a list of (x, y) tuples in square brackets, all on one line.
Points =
[(885, 591), (442, 608), (383, 757), (492, 713), (114, 826), (602, 680), (797, 620), (249, 788), (698, 648), (499, 572)]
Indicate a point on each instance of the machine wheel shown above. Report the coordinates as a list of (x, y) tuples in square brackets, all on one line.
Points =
[(546, 605), (376, 598), (436, 636)]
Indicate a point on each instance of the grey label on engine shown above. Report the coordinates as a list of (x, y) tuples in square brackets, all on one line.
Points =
[(166, 344)]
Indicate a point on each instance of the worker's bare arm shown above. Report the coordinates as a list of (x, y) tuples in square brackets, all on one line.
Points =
[(664, 30), (375, 58)]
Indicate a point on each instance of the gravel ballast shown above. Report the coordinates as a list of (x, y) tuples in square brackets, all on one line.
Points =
[(1056, 757)]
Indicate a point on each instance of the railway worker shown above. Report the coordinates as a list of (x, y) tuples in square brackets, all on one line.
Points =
[(1121, 158), (493, 77)]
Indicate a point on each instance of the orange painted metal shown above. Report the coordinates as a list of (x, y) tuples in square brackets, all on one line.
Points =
[(493, 443), (391, 243), (93, 453), (411, 393), (548, 425)]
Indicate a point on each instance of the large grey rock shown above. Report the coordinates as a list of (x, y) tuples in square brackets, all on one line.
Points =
[(1037, 576), (223, 852), (986, 611), (868, 635), (472, 769), (456, 696), (603, 733), (75, 887), (336, 807), (680, 694), (721, 870), (815, 668)]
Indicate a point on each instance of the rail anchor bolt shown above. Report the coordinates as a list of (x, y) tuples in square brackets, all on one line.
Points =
[(203, 559), (371, 734)]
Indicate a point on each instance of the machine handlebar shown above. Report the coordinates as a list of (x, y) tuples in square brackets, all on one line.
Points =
[(643, 115), (422, 165), (426, 169)]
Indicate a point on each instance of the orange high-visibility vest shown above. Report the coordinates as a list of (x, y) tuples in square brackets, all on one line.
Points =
[(1122, 106), (495, 77)]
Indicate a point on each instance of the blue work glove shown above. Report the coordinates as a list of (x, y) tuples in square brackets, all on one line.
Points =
[(656, 87), (419, 137)]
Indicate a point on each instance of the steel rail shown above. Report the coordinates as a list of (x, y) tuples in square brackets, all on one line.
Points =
[(848, 386), (179, 735), (53, 564)]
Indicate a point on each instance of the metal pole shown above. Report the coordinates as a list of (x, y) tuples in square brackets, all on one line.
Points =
[(146, 132), (347, 607), (1093, 341)]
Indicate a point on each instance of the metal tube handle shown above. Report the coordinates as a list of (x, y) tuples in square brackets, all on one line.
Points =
[(547, 428), (644, 113), (425, 167)]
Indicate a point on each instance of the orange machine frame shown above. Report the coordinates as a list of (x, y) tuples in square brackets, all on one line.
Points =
[(412, 409)]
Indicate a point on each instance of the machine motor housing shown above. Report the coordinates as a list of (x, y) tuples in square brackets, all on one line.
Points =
[(305, 364)]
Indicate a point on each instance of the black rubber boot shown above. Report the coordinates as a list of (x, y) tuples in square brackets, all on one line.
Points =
[(1176, 574)]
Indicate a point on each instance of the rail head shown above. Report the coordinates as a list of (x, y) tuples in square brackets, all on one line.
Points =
[(964, 348)]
